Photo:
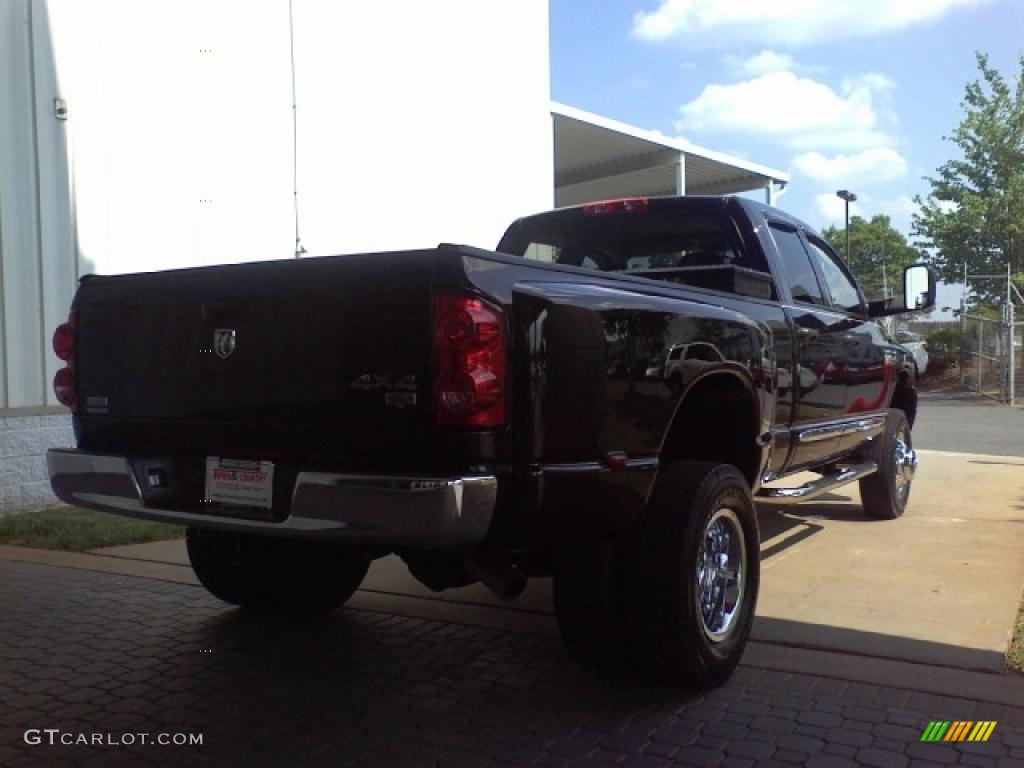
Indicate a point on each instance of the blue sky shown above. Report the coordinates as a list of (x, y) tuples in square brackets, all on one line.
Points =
[(854, 94)]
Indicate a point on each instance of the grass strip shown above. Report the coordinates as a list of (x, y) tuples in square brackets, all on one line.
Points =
[(71, 529), (1015, 655)]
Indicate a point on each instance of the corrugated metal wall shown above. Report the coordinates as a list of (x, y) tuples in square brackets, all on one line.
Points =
[(38, 260), (179, 123)]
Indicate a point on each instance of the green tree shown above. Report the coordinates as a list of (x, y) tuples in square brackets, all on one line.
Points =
[(974, 214), (874, 244)]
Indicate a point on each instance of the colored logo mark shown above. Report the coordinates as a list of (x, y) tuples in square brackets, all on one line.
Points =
[(958, 730)]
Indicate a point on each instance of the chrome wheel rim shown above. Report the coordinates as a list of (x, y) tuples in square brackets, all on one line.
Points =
[(721, 574), (905, 463)]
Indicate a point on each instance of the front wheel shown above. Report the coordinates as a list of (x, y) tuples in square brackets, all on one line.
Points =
[(694, 574), (886, 493), (905, 397), (271, 575)]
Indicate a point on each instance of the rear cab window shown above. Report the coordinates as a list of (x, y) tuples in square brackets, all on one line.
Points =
[(695, 244)]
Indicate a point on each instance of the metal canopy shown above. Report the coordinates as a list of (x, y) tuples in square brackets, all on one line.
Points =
[(598, 158)]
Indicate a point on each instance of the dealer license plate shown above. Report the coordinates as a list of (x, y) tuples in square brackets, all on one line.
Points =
[(238, 482)]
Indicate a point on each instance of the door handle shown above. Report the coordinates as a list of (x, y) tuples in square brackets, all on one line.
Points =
[(807, 333)]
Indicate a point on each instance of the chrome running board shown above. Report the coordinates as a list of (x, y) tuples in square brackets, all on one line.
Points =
[(807, 491)]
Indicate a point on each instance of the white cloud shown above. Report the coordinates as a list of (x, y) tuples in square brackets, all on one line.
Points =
[(869, 166), (900, 211), (787, 22), (840, 137), (903, 205), (829, 209), (833, 209), (765, 62), (801, 111)]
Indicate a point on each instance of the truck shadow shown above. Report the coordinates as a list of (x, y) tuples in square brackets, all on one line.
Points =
[(779, 532), (390, 689), (785, 527)]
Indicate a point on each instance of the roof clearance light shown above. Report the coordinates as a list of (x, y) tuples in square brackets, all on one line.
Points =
[(610, 207)]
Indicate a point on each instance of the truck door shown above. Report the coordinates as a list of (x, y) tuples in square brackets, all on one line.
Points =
[(869, 375), (820, 356)]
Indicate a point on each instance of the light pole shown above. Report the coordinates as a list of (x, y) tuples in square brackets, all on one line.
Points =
[(848, 197)]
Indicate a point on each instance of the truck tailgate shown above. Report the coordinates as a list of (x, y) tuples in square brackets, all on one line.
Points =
[(239, 358)]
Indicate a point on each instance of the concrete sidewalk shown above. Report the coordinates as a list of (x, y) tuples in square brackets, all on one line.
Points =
[(940, 585)]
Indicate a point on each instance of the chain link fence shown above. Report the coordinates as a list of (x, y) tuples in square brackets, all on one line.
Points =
[(1016, 385), (992, 357)]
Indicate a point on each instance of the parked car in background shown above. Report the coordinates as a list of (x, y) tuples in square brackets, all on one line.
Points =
[(672, 368), (918, 348)]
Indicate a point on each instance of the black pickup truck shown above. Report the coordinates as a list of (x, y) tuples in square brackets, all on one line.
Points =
[(600, 400)]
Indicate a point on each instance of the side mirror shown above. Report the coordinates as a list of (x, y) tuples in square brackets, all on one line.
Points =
[(918, 287), (918, 293)]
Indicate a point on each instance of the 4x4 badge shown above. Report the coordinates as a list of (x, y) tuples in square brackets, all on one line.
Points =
[(224, 342)]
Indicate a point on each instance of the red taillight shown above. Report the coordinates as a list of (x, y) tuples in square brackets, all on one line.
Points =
[(607, 207), (64, 388), (471, 362), (64, 385), (64, 341)]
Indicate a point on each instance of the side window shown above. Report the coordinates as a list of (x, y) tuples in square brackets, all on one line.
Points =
[(840, 286), (803, 283)]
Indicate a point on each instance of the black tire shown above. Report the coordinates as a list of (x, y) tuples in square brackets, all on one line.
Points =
[(886, 493), (910, 406), (217, 563), (905, 396), (692, 503), (588, 594), (285, 576)]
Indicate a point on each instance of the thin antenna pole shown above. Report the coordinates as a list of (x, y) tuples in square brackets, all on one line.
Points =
[(299, 250), (1011, 364)]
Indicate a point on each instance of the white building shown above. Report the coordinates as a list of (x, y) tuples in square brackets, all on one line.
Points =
[(138, 135)]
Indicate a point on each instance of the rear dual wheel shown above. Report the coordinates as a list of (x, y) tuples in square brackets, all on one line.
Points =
[(272, 575), (678, 599), (589, 602)]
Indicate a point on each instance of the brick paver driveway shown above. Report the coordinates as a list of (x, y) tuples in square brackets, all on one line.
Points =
[(94, 653)]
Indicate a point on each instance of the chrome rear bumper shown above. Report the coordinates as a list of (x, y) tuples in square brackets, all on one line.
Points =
[(431, 512)]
